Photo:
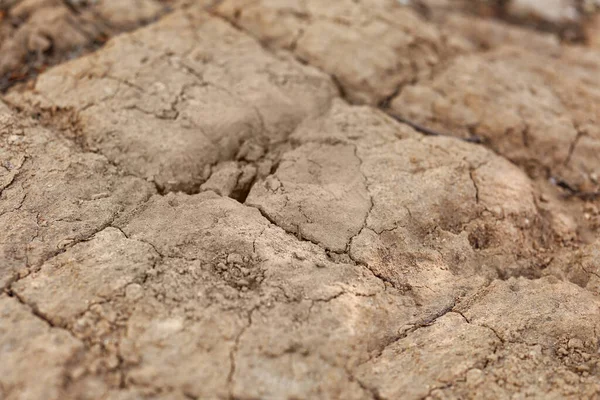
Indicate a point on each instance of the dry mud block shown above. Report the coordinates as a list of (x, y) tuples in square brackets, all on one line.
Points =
[(357, 182), (170, 100), (52, 195), (371, 48), (536, 110), (30, 346), (36, 33), (382, 285), (534, 104), (530, 338), (580, 266), (226, 304), (375, 48)]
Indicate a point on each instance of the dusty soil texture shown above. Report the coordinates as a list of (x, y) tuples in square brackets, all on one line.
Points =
[(299, 199), (35, 34)]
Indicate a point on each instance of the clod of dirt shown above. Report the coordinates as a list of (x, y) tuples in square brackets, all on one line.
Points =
[(370, 50), (469, 347), (39, 33), (150, 316), (556, 363), (318, 193), (548, 311), (533, 109), (231, 179), (580, 266), (53, 196), (100, 279), (168, 101), (386, 197), (24, 336)]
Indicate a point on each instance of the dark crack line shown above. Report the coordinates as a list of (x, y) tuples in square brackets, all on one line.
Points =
[(55, 254), (234, 351), (597, 275), (371, 201), (573, 145), (431, 132), (572, 191), (291, 233), (471, 172), (423, 323), (372, 391), (35, 311), (13, 178), (158, 253)]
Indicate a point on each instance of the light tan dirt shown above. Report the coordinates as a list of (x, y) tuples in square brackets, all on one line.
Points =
[(35, 34), (226, 204)]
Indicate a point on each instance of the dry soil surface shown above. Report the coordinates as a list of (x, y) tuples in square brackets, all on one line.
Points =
[(299, 199)]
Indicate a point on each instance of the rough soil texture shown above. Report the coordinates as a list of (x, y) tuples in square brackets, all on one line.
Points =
[(278, 199), (37, 33)]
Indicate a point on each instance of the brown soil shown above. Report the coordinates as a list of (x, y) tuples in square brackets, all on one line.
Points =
[(285, 199), (35, 34)]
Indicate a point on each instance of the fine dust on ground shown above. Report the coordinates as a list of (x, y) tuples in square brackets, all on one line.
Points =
[(299, 199)]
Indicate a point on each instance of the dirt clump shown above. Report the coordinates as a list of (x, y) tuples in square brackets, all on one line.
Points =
[(225, 205), (169, 101), (547, 121), (37, 33), (396, 45), (54, 195)]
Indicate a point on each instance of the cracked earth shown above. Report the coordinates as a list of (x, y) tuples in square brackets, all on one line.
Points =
[(299, 199)]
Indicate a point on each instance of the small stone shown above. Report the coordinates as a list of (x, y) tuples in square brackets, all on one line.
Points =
[(235, 259), (582, 368), (22, 273), (221, 266), (112, 362), (272, 184), (250, 151), (64, 243), (77, 372), (575, 344), (562, 351), (39, 43), (475, 377), (134, 291)]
